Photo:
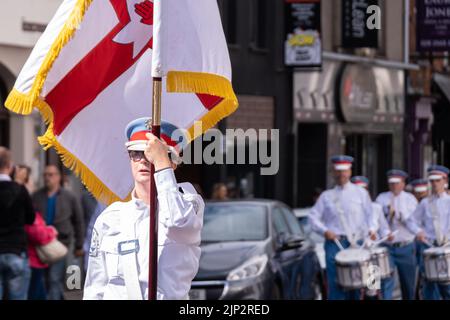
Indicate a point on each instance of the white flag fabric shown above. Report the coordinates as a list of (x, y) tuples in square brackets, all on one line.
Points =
[(91, 73)]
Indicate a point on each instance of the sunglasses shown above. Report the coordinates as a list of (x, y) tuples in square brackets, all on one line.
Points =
[(137, 156)]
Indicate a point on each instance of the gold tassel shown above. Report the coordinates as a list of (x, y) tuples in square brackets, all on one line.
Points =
[(205, 83)]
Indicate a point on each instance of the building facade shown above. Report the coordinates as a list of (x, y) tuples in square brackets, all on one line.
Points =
[(23, 22)]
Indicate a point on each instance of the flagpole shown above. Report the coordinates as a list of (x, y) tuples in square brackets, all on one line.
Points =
[(153, 238)]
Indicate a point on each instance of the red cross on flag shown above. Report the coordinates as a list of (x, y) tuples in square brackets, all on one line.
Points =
[(91, 73)]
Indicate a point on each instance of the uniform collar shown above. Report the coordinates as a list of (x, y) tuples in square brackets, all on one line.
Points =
[(138, 202), (344, 187), (5, 177), (439, 196), (398, 196)]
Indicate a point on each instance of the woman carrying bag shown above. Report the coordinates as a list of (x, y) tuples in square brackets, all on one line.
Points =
[(41, 243)]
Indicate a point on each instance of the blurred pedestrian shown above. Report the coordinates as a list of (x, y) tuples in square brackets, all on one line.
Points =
[(22, 175), (62, 209), (16, 211), (220, 192), (38, 234)]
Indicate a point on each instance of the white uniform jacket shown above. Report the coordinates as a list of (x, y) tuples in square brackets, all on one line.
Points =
[(125, 225), (355, 207)]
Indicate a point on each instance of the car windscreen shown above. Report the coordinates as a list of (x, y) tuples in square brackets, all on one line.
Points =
[(234, 222)]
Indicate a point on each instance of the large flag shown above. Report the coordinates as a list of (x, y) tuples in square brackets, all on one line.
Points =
[(91, 73)]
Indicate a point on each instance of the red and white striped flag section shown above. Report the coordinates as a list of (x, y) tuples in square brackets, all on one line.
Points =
[(91, 73)]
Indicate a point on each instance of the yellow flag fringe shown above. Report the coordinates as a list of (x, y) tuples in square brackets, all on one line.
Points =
[(181, 82), (24, 103)]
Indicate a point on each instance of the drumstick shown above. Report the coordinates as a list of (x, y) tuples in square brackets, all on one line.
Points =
[(338, 243), (385, 238)]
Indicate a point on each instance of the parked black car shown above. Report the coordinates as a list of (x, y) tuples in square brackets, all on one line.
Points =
[(255, 250)]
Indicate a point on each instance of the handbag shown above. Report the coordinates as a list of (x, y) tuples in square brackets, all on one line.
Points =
[(51, 252)]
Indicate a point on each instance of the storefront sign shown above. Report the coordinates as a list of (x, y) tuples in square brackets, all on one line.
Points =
[(303, 45), (433, 25), (355, 29), (357, 93)]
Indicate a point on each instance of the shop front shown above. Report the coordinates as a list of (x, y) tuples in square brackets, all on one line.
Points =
[(347, 108)]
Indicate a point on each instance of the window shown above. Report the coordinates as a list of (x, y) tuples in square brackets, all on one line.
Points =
[(292, 221), (259, 24), (228, 11), (279, 222), (234, 222)]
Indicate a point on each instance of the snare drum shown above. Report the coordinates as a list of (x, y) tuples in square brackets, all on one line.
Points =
[(379, 256), (437, 264), (352, 266)]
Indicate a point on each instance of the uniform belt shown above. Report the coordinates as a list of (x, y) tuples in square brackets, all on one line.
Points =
[(345, 238), (400, 244)]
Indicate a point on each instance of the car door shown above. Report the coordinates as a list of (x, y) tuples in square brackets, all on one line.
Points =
[(303, 268), (285, 257)]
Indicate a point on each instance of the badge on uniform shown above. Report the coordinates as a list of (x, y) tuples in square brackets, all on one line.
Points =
[(95, 244)]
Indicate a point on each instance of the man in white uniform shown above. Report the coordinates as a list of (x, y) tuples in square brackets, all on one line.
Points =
[(343, 215), (398, 207), (432, 217), (119, 253), (383, 230)]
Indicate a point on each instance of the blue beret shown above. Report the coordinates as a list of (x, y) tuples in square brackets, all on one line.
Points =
[(438, 168), (360, 179), (419, 182), (342, 158), (397, 173)]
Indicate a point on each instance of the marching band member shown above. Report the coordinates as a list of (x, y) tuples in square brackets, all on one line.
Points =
[(343, 215), (433, 225), (398, 207), (420, 189), (383, 230), (119, 253)]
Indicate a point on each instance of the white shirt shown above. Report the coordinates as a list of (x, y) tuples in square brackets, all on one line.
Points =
[(356, 206), (403, 205), (423, 216), (382, 225), (180, 223)]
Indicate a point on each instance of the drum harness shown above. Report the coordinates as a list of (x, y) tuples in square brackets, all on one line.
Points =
[(350, 236), (440, 239), (391, 217)]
